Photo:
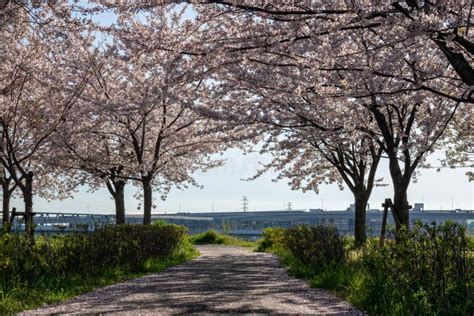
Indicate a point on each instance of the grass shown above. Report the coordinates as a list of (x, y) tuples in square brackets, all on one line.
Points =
[(62, 287), (212, 237), (335, 278), (51, 288), (362, 280)]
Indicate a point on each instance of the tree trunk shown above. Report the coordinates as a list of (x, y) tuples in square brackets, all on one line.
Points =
[(360, 219), (119, 203), (400, 206), (400, 187), (6, 208), (28, 200), (147, 203), (116, 189)]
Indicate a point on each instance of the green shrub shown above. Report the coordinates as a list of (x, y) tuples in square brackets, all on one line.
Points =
[(124, 245), (131, 245), (373, 290), (160, 222), (426, 271), (316, 246), (212, 237), (59, 267), (208, 237), (272, 238)]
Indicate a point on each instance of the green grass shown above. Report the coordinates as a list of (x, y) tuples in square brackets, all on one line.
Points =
[(212, 237), (62, 287), (364, 283), (338, 279)]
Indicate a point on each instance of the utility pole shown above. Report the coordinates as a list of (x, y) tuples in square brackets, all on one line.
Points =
[(212, 207), (245, 203)]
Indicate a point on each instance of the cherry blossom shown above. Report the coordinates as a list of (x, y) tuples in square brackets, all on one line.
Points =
[(136, 122), (40, 85)]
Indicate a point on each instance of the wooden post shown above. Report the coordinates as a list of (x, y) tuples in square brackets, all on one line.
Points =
[(8, 229), (27, 217), (385, 205), (12, 217)]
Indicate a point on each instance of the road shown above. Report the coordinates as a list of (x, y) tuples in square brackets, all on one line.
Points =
[(223, 279)]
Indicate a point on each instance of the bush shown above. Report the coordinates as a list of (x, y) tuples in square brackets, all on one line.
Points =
[(126, 246), (272, 237), (208, 237), (212, 237), (123, 245), (160, 222), (316, 246), (427, 270), (60, 267), (19, 257)]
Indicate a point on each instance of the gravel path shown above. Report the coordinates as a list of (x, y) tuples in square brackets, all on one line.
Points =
[(222, 280)]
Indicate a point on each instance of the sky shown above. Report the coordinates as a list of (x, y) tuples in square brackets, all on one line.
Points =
[(223, 189)]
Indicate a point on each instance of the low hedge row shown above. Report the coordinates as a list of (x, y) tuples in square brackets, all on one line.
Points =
[(127, 246)]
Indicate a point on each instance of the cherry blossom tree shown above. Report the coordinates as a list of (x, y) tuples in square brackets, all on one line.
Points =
[(386, 57), (311, 142), (395, 65), (40, 85), (83, 148), (140, 100), (410, 120), (308, 159)]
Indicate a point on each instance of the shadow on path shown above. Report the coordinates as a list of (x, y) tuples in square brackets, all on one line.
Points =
[(222, 280)]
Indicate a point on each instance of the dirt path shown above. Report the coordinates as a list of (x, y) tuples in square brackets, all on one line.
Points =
[(222, 280)]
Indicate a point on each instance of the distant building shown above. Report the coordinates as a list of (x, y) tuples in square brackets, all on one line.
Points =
[(352, 207), (419, 207)]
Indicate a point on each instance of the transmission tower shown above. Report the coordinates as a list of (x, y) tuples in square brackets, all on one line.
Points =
[(289, 205), (245, 203)]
